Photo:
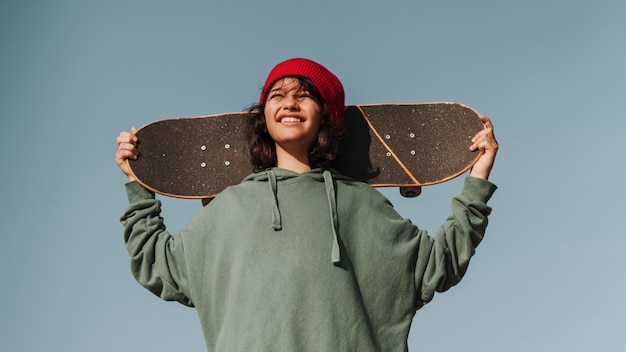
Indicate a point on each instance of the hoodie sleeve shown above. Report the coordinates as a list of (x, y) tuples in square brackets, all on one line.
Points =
[(157, 258), (443, 260)]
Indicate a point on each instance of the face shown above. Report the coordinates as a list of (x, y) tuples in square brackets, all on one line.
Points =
[(292, 115)]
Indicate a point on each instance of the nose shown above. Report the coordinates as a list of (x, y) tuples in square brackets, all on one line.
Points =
[(290, 103)]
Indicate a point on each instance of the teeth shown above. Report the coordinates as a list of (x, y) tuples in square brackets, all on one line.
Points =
[(290, 119)]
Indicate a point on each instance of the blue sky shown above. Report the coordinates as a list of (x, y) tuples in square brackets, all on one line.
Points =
[(550, 274)]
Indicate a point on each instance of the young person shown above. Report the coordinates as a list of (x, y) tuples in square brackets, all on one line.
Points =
[(298, 257)]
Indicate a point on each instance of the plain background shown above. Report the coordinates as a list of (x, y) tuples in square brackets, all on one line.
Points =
[(551, 75)]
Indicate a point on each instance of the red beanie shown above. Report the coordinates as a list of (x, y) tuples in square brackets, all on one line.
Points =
[(326, 82)]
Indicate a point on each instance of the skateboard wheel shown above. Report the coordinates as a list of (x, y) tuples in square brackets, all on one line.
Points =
[(410, 191)]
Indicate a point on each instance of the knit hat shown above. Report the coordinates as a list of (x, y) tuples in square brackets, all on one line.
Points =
[(326, 82)]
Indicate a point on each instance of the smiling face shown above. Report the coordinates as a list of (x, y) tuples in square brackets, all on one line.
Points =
[(292, 116)]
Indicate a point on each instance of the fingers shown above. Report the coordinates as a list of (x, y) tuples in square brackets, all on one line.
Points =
[(486, 121), (485, 142), (126, 149), (485, 139), (127, 137), (127, 141)]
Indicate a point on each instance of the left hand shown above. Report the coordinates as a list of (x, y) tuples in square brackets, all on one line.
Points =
[(485, 142)]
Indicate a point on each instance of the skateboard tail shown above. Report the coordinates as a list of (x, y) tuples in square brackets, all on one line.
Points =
[(412, 144)]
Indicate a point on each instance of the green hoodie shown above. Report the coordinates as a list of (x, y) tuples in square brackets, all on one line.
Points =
[(303, 262)]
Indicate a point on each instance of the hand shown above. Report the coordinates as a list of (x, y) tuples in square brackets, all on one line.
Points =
[(485, 142), (126, 149)]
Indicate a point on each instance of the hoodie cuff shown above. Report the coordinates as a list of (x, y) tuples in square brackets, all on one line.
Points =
[(136, 191), (478, 189)]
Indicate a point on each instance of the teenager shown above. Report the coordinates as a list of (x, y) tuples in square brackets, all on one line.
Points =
[(298, 257)]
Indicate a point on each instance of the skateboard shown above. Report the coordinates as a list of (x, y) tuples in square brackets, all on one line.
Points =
[(386, 145)]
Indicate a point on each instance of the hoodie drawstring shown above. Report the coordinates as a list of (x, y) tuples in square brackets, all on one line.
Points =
[(277, 223), (335, 255), (329, 183)]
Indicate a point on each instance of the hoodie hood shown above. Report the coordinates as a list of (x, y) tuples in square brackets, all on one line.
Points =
[(274, 175)]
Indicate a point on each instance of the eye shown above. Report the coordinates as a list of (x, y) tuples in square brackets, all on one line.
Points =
[(274, 95)]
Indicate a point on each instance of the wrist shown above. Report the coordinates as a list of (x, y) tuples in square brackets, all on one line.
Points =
[(480, 174)]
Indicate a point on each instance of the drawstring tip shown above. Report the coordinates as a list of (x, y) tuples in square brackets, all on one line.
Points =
[(335, 256)]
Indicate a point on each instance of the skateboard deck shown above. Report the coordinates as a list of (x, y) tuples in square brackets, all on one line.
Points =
[(385, 145)]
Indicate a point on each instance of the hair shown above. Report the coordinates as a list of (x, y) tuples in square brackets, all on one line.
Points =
[(263, 148)]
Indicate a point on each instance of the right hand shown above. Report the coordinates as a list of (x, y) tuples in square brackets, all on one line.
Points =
[(126, 149), (485, 142)]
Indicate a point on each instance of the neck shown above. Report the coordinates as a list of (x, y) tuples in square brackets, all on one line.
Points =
[(295, 162)]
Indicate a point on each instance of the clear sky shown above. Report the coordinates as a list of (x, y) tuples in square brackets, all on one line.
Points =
[(549, 276)]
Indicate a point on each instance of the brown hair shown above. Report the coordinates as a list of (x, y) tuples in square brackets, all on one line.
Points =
[(263, 148)]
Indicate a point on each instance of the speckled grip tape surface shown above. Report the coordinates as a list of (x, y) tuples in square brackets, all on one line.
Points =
[(192, 157), (429, 142), (396, 145)]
